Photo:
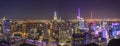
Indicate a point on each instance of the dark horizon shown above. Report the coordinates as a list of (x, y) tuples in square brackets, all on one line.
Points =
[(66, 9)]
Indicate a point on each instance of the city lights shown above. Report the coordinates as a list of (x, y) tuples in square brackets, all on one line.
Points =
[(59, 23)]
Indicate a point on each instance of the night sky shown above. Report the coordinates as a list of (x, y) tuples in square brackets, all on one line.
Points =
[(66, 9)]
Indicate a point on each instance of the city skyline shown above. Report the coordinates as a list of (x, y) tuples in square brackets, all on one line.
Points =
[(66, 9)]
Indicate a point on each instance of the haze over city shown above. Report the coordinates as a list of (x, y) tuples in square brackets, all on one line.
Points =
[(66, 9)]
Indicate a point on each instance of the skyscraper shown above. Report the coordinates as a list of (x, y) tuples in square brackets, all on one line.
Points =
[(80, 20), (6, 27), (78, 17), (55, 16)]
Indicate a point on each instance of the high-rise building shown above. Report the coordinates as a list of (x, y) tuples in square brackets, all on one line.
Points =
[(80, 20), (6, 25), (55, 16)]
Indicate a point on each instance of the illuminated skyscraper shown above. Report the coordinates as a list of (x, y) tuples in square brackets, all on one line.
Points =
[(81, 20), (55, 16), (78, 17), (6, 26)]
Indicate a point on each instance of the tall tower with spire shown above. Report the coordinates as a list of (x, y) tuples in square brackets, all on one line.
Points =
[(91, 15), (81, 20), (78, 17), (55, 16)]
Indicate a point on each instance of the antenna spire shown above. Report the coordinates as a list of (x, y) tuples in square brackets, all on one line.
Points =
[(91, 15), (78, 17)]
